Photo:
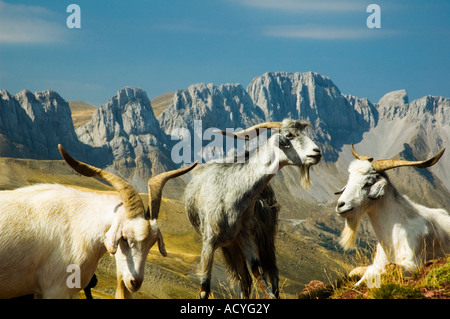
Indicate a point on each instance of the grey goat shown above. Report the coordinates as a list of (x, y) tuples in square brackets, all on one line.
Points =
[(232, 206)]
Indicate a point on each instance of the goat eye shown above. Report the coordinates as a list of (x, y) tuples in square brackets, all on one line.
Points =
[(290, 135), (127, 241), (368, 185)]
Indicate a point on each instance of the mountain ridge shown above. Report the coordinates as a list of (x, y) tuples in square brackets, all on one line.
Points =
[(124, 134)]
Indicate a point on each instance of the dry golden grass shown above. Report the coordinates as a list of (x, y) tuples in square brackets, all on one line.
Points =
[(160, 103), (81, 112)]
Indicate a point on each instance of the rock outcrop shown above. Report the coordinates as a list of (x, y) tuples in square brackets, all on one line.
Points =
[(223, 106), (32, 125), (127, 128), (336, 118)]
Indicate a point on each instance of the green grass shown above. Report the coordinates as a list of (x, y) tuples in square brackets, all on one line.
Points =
[(395, 285), (438, 276), (392, 290)]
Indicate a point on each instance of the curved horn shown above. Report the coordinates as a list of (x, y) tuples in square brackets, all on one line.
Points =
[(383, 165), (257, 127), (360, 157), (156, 185), (130, 197)]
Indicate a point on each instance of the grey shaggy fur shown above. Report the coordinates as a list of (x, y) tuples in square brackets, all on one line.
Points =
[(234, 208)]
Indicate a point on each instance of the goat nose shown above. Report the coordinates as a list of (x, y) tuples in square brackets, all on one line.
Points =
[(135, 283), (316, 149), (340, 204)]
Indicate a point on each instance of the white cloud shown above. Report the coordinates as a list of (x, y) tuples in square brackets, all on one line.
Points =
[(306, 5), (29, 24), (320, 32), (325, 12)]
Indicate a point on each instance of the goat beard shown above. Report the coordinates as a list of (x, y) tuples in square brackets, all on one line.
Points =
[(348, 235), (305, 181)]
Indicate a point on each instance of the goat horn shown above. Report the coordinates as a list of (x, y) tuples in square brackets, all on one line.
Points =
[(156, 184), (131, 200), (383, 165), (360, 157), (257, 127)]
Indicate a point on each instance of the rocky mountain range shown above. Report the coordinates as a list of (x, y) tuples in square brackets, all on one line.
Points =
[(32, 125), (124, 135), (127, 128), (336, 118)]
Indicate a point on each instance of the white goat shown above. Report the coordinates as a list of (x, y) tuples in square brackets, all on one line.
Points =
[(408, 234), (232, 206), (46, 230)]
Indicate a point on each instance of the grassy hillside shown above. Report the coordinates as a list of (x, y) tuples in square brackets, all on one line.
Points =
[(301, 256), (81, 112), (160, 103), (22, 172)]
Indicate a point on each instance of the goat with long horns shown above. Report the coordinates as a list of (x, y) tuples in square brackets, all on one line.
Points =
[(47, 228), (235, 210), (129, 232), (408, 233)]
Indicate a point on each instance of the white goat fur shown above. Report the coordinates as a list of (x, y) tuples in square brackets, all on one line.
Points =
[(44, 229), (408, 233)]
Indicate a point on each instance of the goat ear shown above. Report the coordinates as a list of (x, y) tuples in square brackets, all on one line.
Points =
[(113, 236), (377, 189), (161, 245)]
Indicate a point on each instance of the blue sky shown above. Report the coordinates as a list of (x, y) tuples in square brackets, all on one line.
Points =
[(166, 45)]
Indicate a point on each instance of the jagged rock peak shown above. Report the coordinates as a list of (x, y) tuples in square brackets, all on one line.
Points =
[(48, 102), (129, 94), (36, 123), (47, 95), (309, 78), (201, 95), (221, 106), (126, 125), (394, 98), (396, 105), (310, 96), (285, 94), (435, 107), (127, 112)]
